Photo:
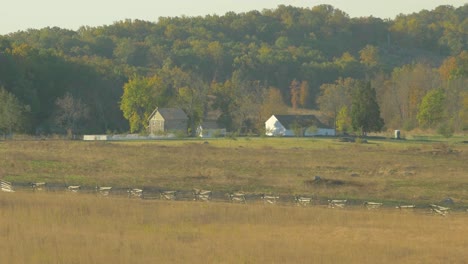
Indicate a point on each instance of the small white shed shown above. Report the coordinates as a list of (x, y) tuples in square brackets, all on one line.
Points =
[(209, 129)]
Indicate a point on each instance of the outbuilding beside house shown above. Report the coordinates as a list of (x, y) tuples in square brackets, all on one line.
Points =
[(296, 125), (209, 129)]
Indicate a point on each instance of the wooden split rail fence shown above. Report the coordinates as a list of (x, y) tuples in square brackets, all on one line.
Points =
[(406, 207), (38, 186), (6, 186), (135, 193), (337, 203), (302, 201), (168, 195), (440, 210), (372, 205), (269, 199), (235, 197), (73, 188), (202, 195), (104, 191)]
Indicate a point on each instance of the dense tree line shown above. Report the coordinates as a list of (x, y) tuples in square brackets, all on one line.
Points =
[(247, 66)]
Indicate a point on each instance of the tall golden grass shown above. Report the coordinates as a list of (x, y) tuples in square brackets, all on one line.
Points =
[(407, 171), (78, 228)]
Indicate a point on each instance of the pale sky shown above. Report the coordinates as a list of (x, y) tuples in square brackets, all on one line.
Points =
[(18, 15)]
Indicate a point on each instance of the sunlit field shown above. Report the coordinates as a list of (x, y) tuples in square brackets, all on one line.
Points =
[(58, 227), (78, 228)]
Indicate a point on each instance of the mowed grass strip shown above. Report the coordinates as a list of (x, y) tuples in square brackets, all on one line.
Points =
[(407, 171), (74, 228)]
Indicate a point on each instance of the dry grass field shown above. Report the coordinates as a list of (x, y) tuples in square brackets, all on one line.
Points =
[(60, 227), (408, 171), (78, 228)]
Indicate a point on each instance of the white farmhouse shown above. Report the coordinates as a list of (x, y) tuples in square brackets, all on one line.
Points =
[(296, 125)]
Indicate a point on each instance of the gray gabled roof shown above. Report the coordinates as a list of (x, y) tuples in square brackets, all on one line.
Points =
[(210, 124), (288, 121), (170, 113)]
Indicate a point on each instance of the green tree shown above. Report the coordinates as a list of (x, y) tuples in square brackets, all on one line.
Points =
[(191, 97), (224, 99), (343, 120), (464, 111), (403, 94), (139, 100), (247, 104), (431, 111), (240, 103), (335, 96), (365, 111), (304, 94), (12, 112), (369, 56)]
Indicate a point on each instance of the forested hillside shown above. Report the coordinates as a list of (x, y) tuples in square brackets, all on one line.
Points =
[(246, 66)]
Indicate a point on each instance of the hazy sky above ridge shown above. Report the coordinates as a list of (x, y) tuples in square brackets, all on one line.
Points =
[(25, 14)]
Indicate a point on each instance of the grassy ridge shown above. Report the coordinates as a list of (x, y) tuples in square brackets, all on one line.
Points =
[(70, 228), (409, 171)]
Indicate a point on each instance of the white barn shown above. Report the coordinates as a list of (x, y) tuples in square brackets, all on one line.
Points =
[(292, 125)]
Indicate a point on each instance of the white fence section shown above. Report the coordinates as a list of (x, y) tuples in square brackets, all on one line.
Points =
[(125, 137), (372, 205), (168, 195), (6, 186), (302, 201), (73, 188), (38, 186), (201, 195), (95, 137), (406, 207), (135, 193), (337, 203), (104, 191), (440, 210), (269, 199), (237, 197)]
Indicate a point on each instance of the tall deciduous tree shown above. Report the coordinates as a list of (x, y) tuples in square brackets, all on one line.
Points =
[(464, 111), (223, 102), (249, 96), (431, 110), (343, 120), (369, 55), (12, 112), (304, 94), (139, 99), (70, 112), (239, 101), (191, 97), (295, 89), (335, 96), (404, 93), (454, 75), (365, 111)]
